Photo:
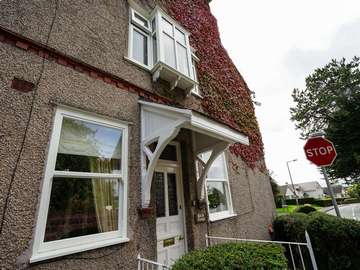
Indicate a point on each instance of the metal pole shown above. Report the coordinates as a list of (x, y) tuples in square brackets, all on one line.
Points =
[(331, 192), (292, 183), (311, 251)]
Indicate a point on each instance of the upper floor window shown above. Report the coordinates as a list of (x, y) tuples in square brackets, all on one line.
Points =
[(161, 45), (83, 202)]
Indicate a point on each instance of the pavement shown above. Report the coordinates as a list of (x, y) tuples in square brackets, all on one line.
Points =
[(351, 211)]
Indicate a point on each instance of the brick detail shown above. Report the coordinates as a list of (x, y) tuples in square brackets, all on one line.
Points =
[(22, 45), (22, 85), (62, 62)]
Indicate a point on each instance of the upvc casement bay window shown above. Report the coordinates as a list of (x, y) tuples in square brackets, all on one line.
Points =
[(84, 197), (161, 45), (217, 191)]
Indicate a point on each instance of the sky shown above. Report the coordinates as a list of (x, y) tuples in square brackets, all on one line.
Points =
[(275, 45)]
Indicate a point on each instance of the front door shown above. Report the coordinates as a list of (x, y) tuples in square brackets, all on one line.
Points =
[(169, 214)]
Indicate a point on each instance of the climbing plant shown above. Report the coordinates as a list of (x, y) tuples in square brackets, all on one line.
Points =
[(227, 98)]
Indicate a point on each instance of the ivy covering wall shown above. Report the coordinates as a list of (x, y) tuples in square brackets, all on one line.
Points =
[(226, 95)]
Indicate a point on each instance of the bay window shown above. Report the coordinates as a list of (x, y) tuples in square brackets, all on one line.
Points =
[(161, 45), (83, 201), (217, 188)]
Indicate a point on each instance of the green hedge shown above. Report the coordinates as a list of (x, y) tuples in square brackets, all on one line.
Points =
[(323, 202), (231, 256), (336, 241), (301, 201), (306, 209), (351, 200)]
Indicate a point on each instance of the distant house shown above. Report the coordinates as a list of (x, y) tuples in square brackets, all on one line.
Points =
[(303, 190), (338, 190)]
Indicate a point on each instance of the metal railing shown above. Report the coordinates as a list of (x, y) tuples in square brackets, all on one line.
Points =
[(145, 264), (293, 250)]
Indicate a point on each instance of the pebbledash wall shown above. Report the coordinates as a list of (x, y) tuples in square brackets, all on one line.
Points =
[(73, 51)]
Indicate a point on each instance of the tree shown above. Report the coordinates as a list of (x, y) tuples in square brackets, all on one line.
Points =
[(331, 102), (354, 191)]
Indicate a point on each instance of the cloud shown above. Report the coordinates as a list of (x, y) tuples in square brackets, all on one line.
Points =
[(345, 43)]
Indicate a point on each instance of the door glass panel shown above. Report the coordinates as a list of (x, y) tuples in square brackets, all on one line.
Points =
[(217, 196), (160, 193), (81, 207), (172, 194)]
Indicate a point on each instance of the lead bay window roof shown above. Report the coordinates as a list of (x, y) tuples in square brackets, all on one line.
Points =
[(159, 44)]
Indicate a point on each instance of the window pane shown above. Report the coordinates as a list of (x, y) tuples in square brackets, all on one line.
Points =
[(182, 59), (172, 194), (169, 51), (160, 193), (217, 169), (88, 147), (167, 27), (140, 48), (153, 25), (169, 153), (180, 36), (142, 21), (81, 207), (217, 196)]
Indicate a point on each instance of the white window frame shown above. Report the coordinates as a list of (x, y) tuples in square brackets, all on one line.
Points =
[(230, 211), (47, 250), (135, 25), (157, 15), (196, 90)]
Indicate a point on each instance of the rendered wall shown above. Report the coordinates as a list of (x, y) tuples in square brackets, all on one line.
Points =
[(95, 32)]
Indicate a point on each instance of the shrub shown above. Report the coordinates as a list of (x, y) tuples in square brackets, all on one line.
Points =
[(327, 202), (336, 241), (231, 256), (301, 201), (351, 200), (306, 209)]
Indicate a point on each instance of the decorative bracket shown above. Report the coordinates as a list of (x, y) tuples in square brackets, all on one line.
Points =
[(162, 137), (216, 151)]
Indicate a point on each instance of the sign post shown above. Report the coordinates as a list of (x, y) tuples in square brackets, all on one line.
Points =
[(322, 153)]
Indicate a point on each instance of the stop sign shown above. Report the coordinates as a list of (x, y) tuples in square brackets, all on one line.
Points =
[(320, 151)]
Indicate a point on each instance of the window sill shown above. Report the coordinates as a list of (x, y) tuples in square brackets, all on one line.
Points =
[(219, 217), (138, 64), (45, 255), (196, 95)]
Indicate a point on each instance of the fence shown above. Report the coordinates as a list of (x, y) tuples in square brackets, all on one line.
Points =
[(145, 264), (294, 252)]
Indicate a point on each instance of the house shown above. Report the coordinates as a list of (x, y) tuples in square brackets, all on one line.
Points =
[(303, 190), (338, 190), (125, 130)]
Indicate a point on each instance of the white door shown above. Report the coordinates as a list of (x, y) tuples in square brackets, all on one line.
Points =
[(169, 215)]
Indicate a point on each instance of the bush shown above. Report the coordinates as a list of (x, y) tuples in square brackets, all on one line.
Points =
[(336, 241), (351, 200), (327, 202), (306, 209), (234, 256), (301, 201)]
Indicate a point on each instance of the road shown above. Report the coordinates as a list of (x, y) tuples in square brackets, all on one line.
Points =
[(351, 211)]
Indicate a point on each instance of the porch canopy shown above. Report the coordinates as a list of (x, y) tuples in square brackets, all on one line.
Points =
[(160, 124)]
